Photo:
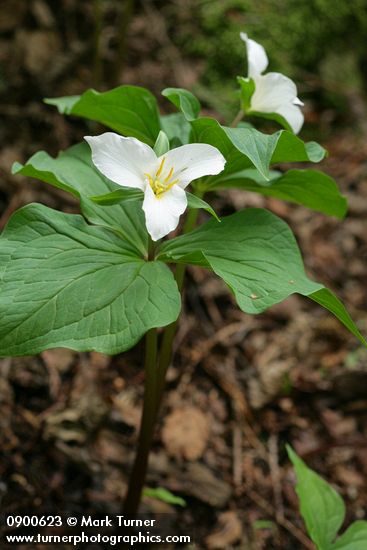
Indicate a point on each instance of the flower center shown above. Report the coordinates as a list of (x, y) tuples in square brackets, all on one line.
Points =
[(158, 182)]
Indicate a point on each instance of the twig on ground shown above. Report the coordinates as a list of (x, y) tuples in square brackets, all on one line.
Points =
[(276, 477), (237, 456), (285, 523)]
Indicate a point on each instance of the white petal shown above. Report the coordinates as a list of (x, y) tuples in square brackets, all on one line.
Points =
[(293, 115), (162, 214), (256, 56), (193, 161), (276, 93), (123, 160)]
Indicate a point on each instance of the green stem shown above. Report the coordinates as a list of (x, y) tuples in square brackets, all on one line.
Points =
[(239, 116), (166, 350), (150, 411), (155, 376), (151, 249)]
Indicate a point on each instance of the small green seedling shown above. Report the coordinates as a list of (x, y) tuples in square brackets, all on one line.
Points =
[(323, 511), (164, 495)]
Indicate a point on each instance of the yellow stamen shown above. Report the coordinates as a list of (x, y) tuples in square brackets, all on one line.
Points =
[(151, 182), (158, 186), (169, 176), (160, 167), (160, 189)]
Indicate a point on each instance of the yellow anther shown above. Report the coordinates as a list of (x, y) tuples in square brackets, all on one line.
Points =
[(159, 171)]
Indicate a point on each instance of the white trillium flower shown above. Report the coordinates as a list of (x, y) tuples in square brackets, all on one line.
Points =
[(274, 92), (131, 163)]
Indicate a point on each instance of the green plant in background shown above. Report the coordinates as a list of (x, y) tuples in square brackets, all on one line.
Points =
[(323, 511), (271, 95), (305, 37), (101, 280)]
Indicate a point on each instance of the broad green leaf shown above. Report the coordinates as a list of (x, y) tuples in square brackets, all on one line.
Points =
[(161, 145), (73, 171), (166, 496), (311, 188), (194, 201), (184, 100), (246, 147), (264, 150), (129, 110), (208, 130), (37, 167), (256, 254), (65, 283), (258, 147), (354, 538), (322, 508), (245, 124), (177, 129), (244, 179)]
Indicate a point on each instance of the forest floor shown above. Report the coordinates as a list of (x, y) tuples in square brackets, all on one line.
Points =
[(240, 386)]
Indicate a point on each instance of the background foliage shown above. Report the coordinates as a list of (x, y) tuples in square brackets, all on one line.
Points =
[(307, 40)]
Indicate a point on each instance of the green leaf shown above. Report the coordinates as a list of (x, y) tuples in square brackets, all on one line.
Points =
[(37, 167), (166, 496), (272, 116), (244, 179), (194, 201), (63, 104), (311, 188), (290, 148), (129, 110), (247, 86), (258, 147), (123, 194), (184, 100), (264, 150), (354, 538), (161, 145), (65, 283), (246, 147), (256, 254), (208, 130), (329, 301), (177, 129), (323, 511), (322, 508), (73, 171)]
